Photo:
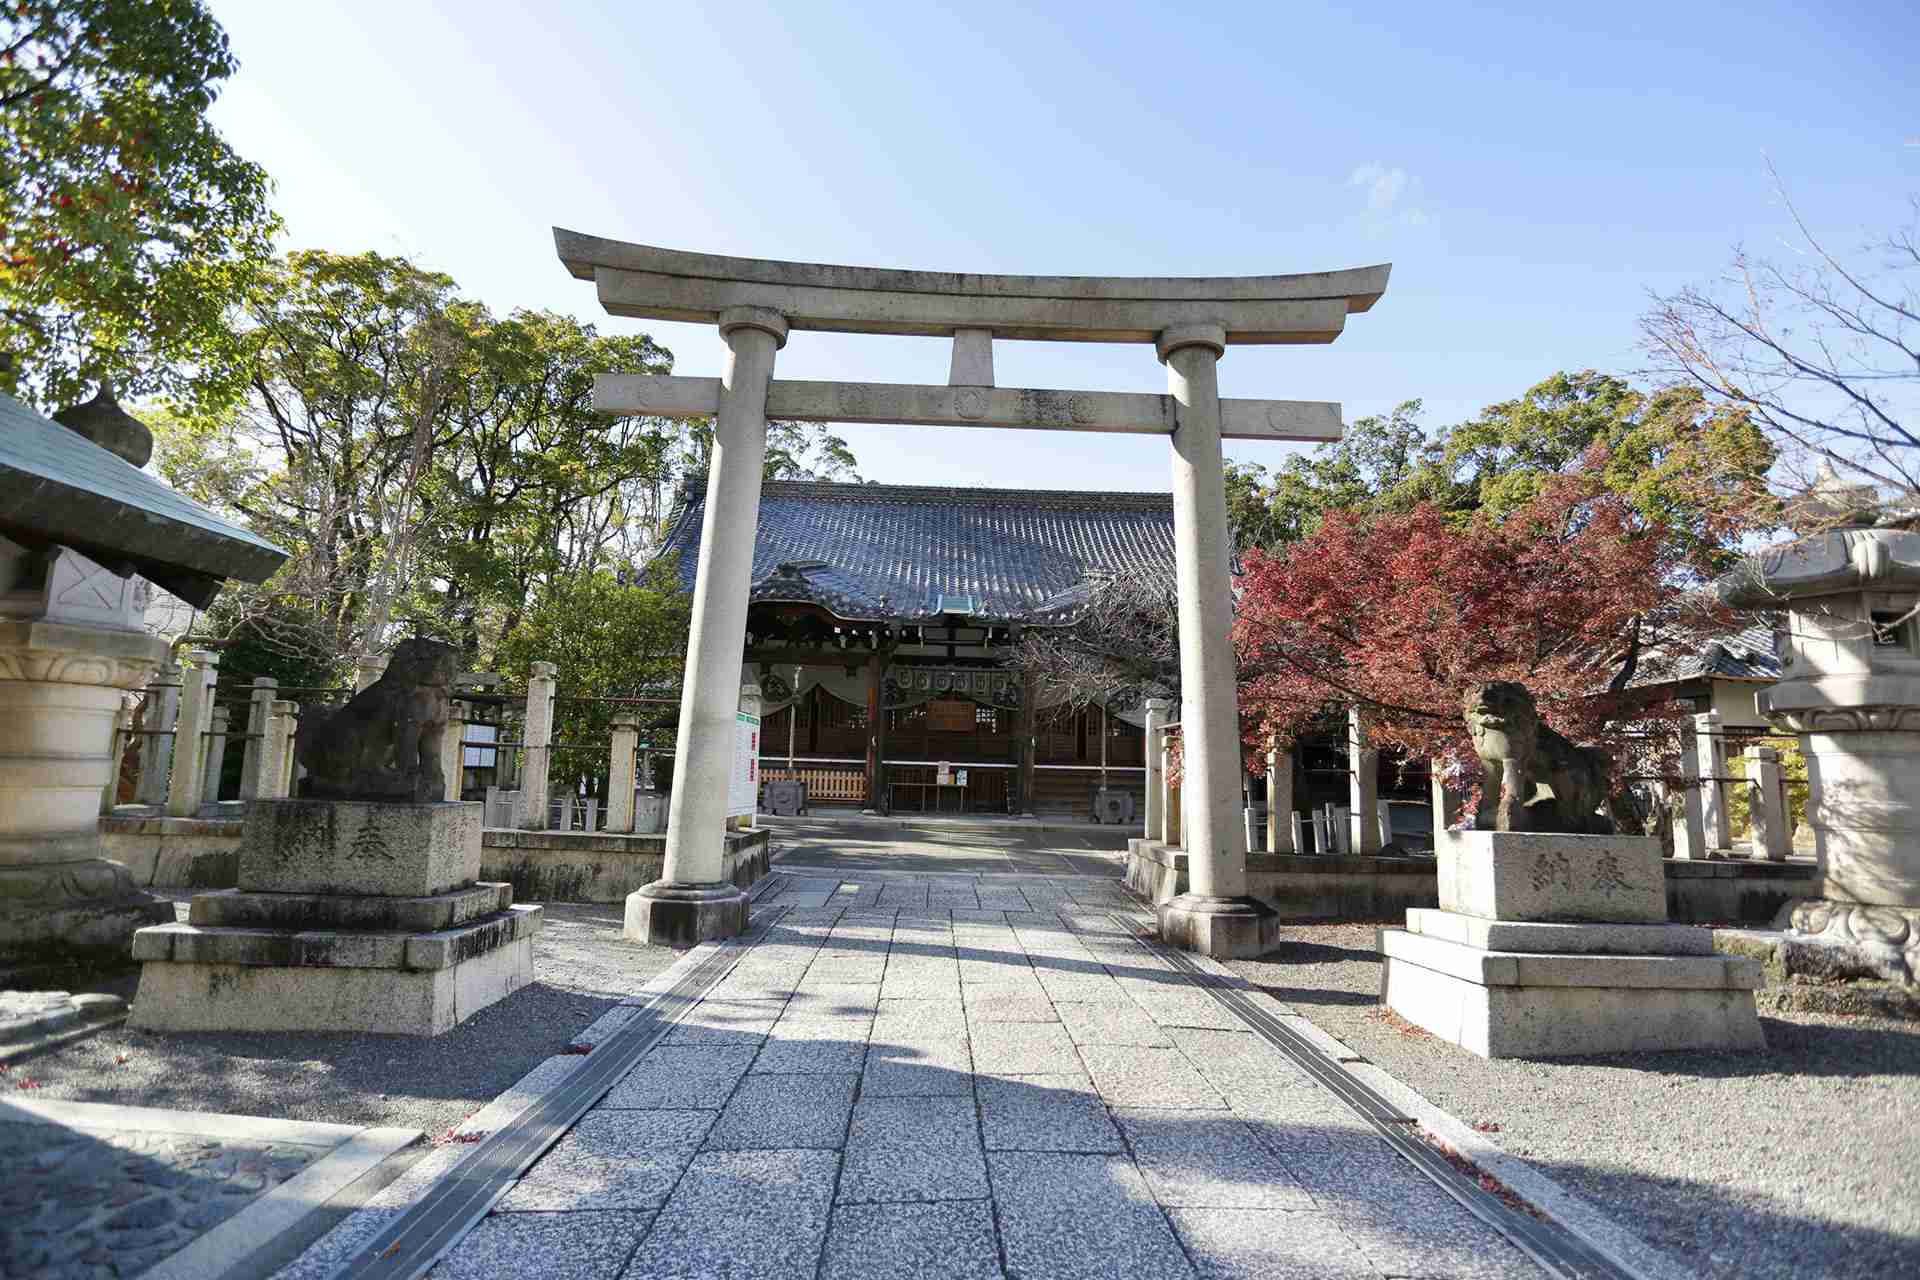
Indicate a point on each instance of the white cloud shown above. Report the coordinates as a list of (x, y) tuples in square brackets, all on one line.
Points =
[(1393, 195)]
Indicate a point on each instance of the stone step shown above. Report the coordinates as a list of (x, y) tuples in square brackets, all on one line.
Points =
[(1523, 969), (1561, 939), (335, 948), (242, 908)]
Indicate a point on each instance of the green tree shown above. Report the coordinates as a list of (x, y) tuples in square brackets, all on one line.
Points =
[(354, 367), (1367, 469), (1693, 469), (129, 225), (611, 639), (539, 487), (433, 468)]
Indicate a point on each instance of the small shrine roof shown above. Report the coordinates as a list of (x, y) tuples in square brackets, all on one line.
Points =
[(910, 553), (59, 487), (1747, 653)]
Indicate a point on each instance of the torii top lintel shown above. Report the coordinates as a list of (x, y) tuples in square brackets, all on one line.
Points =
[(668, 284)]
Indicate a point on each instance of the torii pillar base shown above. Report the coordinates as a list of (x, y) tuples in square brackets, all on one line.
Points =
[(1220, 928), (685, 915)]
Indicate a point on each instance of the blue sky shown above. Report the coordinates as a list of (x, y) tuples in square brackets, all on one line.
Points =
[(1531, 174)]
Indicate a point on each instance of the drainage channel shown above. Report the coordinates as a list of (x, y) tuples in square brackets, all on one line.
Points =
[(1560, 1252), (417, 1239)]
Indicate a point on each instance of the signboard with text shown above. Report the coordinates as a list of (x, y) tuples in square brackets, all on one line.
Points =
[(743, 789)]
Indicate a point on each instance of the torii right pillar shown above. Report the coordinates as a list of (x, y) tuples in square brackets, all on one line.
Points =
[(1215, 917)]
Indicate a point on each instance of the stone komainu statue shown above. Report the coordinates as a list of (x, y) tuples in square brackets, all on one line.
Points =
[(1535, 779), (384, 744)]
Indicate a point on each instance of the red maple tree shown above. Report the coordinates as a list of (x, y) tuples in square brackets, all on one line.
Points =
[(1398, 613)]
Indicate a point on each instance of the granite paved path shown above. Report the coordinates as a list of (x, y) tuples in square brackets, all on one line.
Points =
[(969, 1076)]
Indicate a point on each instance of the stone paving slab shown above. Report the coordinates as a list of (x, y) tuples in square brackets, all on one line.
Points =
[(786, 1112), (904, 1083), (582, 1245), (1068, 1216), (613, 1160), (742, 1214), (685, 1076), (913, 1242)]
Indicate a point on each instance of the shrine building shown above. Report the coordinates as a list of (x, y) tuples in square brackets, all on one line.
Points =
[(879, 621)]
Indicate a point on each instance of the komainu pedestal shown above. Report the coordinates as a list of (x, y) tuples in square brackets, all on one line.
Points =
[(351, 915), (1551, 945)]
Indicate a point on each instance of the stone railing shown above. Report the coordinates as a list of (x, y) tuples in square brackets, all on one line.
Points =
[(184, 704)]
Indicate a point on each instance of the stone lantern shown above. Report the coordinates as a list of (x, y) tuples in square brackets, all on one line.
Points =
[(83, 531), (1850, 688)]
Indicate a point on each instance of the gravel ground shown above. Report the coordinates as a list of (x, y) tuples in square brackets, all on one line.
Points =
[(583, 966), (1796, 1162)]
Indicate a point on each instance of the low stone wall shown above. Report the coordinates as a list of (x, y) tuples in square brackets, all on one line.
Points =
[(542, 866), (581, 866), (1735, 891), (1311, 887), (1300, 887), (174, 853)]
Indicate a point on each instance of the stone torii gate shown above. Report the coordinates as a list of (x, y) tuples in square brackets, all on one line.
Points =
[(756, 302)]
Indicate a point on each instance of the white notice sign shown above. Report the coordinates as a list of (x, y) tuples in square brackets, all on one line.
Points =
[(743, 789)]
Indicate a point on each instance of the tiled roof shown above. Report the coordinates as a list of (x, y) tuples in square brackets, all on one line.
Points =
[(57, 484), (901, 552), (1748, 653)]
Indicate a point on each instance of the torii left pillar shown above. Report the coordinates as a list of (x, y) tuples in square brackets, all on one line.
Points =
[(1216, 917), (692, 900)]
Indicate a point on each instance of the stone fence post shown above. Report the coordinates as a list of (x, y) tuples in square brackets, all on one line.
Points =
[(1363, 786), (1711, 742), (1169, 794), (368, 670), (620, 771), (1446, 805), (1703, 763), (1771, 840), (156, 744), (1157, 709), (259, 710), (1280, 799), (189, 738), (216, 755), (453, 751), (537, 753), (276, 750)]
